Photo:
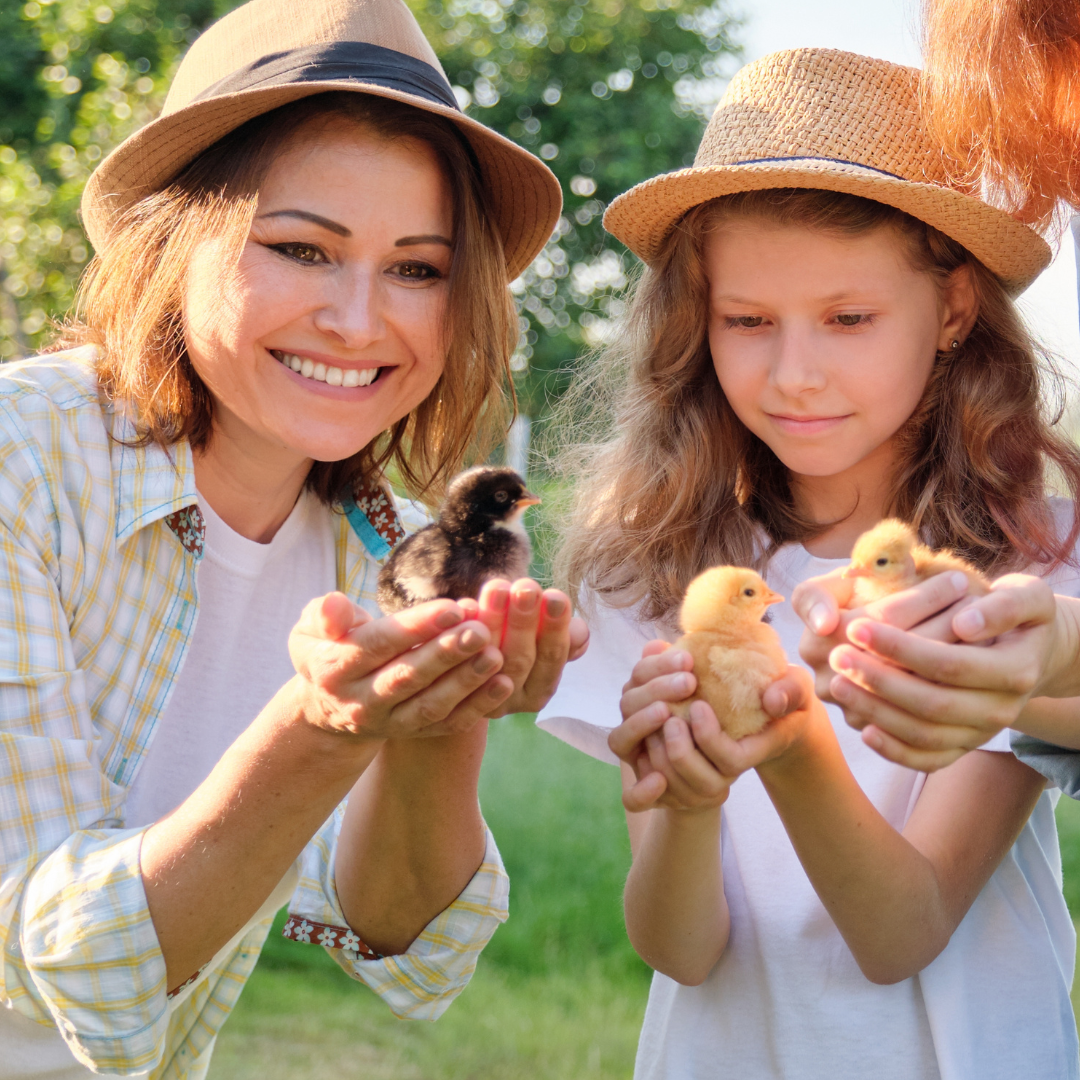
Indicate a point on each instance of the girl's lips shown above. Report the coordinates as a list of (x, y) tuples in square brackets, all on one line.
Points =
[(806, 425)]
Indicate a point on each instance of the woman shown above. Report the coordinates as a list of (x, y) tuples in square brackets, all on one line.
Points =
[(1001, 92), (301, 282)]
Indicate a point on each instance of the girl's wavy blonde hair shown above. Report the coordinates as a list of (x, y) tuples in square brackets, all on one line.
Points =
[(130, 302), (1001, 92), (670, 482)]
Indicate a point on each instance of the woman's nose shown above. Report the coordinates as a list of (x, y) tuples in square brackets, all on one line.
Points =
[(797, 367), (352, 309)]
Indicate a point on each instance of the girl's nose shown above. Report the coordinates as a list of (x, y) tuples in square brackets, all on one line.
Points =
[(352, 311), (797, 368)]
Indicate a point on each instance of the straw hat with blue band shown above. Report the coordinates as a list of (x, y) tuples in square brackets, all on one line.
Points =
[(820, 118), (268, 53)]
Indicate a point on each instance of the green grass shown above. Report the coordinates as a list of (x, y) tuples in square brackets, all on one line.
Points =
[(559, 992)]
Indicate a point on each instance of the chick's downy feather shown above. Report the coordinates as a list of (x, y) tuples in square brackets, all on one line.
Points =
[(735, 654), (890, 558), (478, 536)]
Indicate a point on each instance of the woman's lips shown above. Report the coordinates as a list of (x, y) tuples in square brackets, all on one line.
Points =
[(806, 425), (334, 387)]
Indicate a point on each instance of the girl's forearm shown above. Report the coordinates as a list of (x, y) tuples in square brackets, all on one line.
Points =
[(210, 865), (1054, 720), (882, 893), (676, 914), (412, 838)]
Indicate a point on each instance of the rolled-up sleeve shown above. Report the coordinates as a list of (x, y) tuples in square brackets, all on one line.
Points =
[(420, 983)]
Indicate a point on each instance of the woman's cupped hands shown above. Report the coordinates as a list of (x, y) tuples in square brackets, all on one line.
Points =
[(930, 673), (690, 765), (437, 668)]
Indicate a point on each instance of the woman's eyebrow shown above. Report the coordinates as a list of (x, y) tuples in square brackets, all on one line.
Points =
[(430, 238), (315, 219)]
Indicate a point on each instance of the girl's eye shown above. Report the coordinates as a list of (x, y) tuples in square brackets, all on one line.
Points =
[(852, 320), (305, 253), (417, 271), (745, 322)]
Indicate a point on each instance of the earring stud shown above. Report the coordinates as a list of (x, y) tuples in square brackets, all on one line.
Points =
[(955, 345)]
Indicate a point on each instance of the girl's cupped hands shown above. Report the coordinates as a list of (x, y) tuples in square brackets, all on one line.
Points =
[(434, 669), (691, 765), (928, 674)]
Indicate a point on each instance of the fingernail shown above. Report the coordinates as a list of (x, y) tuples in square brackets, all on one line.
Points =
[(840, 689), (959, 581), (556, 605), (819, 617), (871, 737), (842, 662), (860, 632), (682, 682), (498, 691), (526, 600), (470, 640), (969, 621), (484, 664), (445, 619), (783, 703), (499, 599)]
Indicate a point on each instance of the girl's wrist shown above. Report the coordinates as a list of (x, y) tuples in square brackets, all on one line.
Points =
[(1061, 678), (804, 754)]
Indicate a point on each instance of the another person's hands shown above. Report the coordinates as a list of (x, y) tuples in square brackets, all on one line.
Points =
[(691, 766), (928, 674)]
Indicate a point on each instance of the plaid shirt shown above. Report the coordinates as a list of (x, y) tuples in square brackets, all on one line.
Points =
[(99, 544)]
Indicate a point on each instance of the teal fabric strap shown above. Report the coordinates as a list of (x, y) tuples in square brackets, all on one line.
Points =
[(377, 547)]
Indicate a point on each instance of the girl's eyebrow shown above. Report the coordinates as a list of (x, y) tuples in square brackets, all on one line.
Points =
[(315, 219)]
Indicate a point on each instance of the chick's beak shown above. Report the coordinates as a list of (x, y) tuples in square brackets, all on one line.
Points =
[(527, 499), (851, 570), (773, 598)]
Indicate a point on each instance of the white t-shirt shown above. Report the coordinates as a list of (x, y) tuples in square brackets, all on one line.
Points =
[(787, 998), (250, 597)]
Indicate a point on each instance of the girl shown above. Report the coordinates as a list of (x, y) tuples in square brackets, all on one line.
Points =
[(824, 336), (1001, 92), (302, 276)]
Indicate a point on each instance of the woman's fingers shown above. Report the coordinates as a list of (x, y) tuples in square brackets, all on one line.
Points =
[(661, 675), (579, 638), (625, 740), (901, 753), (1014, 600), (818, 601), (921, 602)]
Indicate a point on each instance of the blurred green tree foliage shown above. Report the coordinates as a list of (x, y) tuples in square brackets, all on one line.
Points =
[(608, 92)]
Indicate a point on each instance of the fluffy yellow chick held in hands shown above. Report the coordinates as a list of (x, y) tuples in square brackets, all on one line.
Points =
[(735, 654), (889, 558)]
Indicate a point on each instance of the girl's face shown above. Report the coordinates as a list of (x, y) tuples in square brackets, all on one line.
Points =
[(330, 327), (823, 344)]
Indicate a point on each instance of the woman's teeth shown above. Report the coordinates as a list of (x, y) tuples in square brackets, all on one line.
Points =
[(332, 376)]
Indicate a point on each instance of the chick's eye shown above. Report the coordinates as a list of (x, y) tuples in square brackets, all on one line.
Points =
[(748, 592), (304, 253), (501, 496), (883, 561)]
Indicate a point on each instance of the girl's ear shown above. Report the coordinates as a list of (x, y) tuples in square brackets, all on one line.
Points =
[(960, 308)]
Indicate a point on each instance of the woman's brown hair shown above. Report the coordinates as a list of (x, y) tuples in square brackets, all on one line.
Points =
[(1001, 93), (130, 300), (675, 483)]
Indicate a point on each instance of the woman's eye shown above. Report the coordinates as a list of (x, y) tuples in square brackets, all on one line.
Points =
[(852, 320), (746, 322), (416, 271), (305, 253)]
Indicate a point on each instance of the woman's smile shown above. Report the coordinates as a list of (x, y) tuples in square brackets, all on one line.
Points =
[(331, 377), (792, 424)]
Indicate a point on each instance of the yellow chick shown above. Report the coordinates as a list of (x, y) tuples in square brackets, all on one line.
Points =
[(889, 558), (735, 654)]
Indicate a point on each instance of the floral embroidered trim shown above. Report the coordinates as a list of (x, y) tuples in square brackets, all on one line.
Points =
[(190, 529), (332, 937), (184, 985), (375, 503)]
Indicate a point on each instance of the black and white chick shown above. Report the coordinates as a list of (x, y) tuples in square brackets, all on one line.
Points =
[(478, 535)]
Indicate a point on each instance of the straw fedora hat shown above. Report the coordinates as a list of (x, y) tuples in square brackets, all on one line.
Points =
[(268, 53), (819, 118)]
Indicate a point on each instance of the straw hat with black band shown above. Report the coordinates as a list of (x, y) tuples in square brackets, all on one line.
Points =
[(819, 118), (268, 53)]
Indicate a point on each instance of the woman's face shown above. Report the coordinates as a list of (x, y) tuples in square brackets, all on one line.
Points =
[(330, 328), (822, 344)]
